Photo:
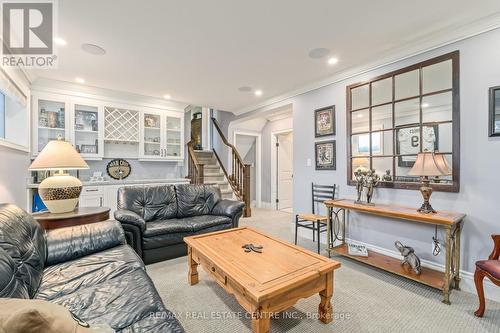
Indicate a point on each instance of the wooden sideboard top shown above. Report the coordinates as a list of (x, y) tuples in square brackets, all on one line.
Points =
[(401, 212)]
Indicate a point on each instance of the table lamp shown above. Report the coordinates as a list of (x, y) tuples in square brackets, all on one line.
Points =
[(426, 166), (60, 192)]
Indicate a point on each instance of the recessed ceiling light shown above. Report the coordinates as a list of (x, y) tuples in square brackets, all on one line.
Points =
[(245, 89), (360, 115), (425, 105), (319, 53), (258, 92), (166, 96), (93, 49), (79, 80), (333, 61), (60, 41)]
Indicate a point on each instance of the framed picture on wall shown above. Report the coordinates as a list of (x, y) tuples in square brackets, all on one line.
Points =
[(324, 121), (408, 143), (325, 152)]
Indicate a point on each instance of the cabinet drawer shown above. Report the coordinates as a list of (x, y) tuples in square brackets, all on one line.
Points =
[(212, 269), (92, 190)]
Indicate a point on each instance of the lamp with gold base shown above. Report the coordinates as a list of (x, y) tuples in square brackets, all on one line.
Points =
[(60, 192), (427, 166)]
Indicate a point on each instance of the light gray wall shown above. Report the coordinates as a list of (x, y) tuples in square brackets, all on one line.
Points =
[(270, 127), (224, 118), (480, 158), (13, 174), (140, 169)]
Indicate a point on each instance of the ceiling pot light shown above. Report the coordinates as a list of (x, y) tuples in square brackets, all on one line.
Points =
[(166, 96), (79, 80), (245, 89), (319, 53), (258, 92), (93, 49), (60, 41), (333, 61), (425, 105)]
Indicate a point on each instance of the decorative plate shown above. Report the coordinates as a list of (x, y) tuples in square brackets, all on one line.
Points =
[(118, 169)]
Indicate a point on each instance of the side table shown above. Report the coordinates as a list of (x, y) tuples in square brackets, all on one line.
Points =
[(79, 216)]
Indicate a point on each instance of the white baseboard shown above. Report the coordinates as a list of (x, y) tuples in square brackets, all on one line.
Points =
[(466, 278)]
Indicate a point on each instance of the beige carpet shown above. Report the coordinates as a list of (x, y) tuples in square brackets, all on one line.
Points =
[(365, 299)]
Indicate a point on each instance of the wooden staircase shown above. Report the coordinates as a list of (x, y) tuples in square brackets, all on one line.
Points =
[(206, 167), (213, 173)]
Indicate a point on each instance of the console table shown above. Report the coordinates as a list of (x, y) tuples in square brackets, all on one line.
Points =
[(81, 215), (450, 221)]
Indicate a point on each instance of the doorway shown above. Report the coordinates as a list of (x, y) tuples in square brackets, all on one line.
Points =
[(248, 146), (283, 170)]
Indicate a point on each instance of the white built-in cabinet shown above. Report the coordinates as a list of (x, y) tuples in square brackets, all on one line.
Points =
[(99, 129), (161, 136)]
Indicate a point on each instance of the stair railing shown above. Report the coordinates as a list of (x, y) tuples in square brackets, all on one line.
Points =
[(239, 178), (195, 168)]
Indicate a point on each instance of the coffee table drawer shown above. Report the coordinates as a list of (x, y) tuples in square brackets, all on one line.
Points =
[(213, 270)]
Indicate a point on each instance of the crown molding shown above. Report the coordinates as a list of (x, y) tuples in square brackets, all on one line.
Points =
[(435, 41)]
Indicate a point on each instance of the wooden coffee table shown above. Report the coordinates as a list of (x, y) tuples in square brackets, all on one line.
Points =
[(263, 283)]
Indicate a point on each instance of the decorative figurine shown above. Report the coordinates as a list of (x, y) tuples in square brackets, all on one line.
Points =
[(359, 176), (410, 257), (371, 180), (251, 247), (387, 177)]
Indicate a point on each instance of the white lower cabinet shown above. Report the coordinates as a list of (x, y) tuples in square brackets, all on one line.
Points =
[(91, 196)]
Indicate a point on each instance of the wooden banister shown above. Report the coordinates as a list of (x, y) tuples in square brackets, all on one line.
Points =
[(239, 178), (195, 169)]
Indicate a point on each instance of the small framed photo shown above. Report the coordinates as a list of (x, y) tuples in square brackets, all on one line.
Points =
[(325, 152), (324, 121)]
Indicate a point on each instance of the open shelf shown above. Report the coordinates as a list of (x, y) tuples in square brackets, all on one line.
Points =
[(428, 276), (51, 128)]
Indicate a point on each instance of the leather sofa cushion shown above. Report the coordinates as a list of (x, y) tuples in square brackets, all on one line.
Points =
[(10, 286), (173, 231), (196, 200), (66, 278), (120, 302), (23, 240), (154, 202), (490, 266), (156, 322)]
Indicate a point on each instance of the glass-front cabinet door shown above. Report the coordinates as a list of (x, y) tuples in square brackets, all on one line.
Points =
[(87, 134), (51, 121), (152, 135), (173, 130)]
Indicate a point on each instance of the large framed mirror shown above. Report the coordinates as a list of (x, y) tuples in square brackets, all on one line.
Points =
[(393, 117)]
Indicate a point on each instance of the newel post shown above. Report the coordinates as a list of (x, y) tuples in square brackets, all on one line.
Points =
[(246, 190)]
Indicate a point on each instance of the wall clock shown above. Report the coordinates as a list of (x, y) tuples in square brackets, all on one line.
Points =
[(118, 169)]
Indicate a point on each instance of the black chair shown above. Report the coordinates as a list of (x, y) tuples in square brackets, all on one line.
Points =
[(316, 222)]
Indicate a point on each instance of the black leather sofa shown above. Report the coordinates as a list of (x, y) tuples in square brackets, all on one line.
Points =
[(88, 269), (156, 218)]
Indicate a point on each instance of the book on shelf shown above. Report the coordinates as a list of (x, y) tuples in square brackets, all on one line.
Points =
[(357, 250)]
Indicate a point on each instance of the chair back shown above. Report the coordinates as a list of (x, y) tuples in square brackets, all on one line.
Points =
[(320, 193)]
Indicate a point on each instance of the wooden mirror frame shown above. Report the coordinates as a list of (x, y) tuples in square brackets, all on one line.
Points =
[(455, 91)]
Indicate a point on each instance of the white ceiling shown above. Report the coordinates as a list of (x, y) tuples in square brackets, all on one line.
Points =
[(200, 52)]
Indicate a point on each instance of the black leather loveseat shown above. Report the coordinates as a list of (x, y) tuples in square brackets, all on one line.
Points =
[(156, 218), (88, 269)]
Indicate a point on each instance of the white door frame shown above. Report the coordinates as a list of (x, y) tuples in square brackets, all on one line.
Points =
[(258, 164), (274, 165)]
